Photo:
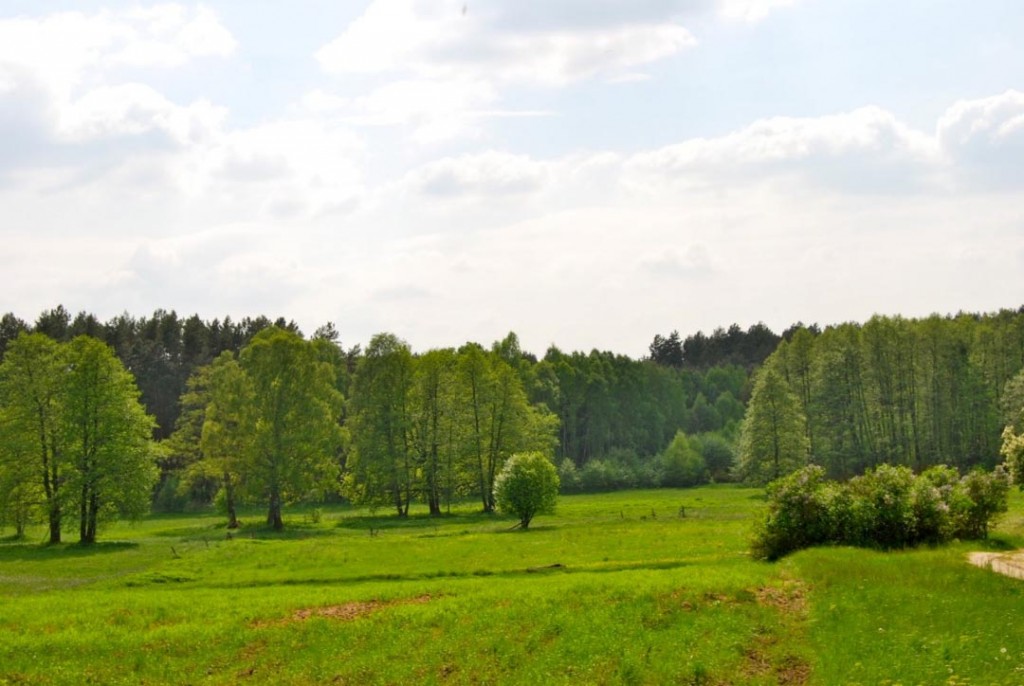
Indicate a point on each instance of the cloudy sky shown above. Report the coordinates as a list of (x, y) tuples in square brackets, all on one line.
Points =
[(584, 172)]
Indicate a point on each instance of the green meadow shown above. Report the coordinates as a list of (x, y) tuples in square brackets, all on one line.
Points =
[(636, 587)]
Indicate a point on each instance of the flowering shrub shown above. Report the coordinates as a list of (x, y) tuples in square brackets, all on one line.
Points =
[(527, 486), (885, 508)]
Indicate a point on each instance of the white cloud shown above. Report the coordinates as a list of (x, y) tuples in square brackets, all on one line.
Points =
[(482, 176), (693, 261), (71, 49), (439, 40), (985, 137), (64, 91), (448, 63), (866, 148), (434, 110), (132, 109), (169, 36), (751, 10), (444, 69)]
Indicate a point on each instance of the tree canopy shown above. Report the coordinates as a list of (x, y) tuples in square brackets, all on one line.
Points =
[(526, 487), (72, 412)]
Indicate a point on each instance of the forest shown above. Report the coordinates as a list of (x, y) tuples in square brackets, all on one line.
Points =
[(897, 391), (254, 412)]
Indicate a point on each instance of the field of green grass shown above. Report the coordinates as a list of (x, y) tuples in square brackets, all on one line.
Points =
[(614, 589)]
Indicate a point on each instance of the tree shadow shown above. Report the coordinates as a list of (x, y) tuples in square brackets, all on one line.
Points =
[(194, 533), (292, 531), (23, 551), (416, 521), (533, 527), (998, 543)]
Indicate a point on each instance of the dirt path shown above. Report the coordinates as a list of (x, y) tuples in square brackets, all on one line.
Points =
[(1010, 564)]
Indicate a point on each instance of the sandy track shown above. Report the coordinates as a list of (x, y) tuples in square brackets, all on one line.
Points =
[(1009, 564)]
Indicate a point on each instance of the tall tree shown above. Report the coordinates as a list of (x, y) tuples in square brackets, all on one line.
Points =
[(107, 433), (381, 467), (31, 391), (773, 440), (435, 426), (501, 419), (294, 421), (228, 428), (10, 327)]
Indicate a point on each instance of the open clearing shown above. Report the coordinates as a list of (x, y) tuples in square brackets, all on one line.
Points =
[(616, 588)]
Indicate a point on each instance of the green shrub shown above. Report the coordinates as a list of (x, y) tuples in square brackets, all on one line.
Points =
[(980, 498), (649, 473), (885, 494), (885, 508), (682, 464), (930, 512), (527, 486), (604, 475), (798, 514), (568, 476), (718, 455), (170, 495)]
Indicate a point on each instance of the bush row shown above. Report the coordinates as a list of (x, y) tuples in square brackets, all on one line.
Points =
[(886, 508), (687, 461)]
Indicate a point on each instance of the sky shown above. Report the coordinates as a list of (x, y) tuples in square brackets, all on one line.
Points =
[(586, 173)]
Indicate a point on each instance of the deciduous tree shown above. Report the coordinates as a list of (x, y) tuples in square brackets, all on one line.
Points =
[(293, 420), (111, 463), (381, 466), (773, 441), (527, 486), (32, 394)]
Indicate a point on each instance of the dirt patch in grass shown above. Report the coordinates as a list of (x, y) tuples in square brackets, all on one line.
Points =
[(764, 655), (345, 612), (1008, 564), (787, 670), (793, 671), (790, 598)]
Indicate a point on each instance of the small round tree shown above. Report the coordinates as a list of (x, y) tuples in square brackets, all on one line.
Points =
[(527, 486)]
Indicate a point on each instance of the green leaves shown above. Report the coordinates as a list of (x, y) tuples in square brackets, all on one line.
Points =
[(527, 486), (888, 507), (439, 424), (72, 412), (773, 441), (280, 411)]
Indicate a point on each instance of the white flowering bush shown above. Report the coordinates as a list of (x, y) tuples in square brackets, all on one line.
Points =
[(527, 486), (885, 508)]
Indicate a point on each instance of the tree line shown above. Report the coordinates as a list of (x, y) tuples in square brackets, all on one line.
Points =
[(614, 415), (254, 411), (75, 443), (262, 414), (913, 392)]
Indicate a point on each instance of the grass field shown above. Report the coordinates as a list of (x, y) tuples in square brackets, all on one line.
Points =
[(614, 589)]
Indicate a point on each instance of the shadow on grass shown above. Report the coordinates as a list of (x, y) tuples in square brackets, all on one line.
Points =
[(525, 572), (416, 521), (194, 533), (998, 543), (293, 531), (21, 550), (516, 529)]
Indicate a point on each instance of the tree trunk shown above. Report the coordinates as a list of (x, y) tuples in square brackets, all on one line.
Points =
[(54, 524), (229, 501), (90, 525), (396, 492), (83, 516), (274, 513)]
